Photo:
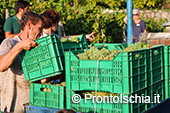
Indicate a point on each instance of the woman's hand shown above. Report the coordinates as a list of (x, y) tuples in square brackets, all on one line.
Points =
[(90, 36)]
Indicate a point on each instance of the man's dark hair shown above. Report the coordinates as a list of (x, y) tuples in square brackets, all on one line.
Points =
[(20, 4), (29, 16)]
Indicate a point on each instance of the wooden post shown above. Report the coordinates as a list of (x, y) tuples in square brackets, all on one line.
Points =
[(60, 28), (7, 13)]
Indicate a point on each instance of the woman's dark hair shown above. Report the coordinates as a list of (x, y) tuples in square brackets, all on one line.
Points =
[(50, 17), (29, 16), (20, 4)]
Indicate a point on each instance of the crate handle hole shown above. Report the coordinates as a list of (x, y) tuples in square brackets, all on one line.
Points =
[(37, 45), (156, 52), (138, 56), (45, 89)]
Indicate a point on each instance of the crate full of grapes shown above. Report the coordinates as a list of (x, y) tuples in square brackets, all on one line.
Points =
[(75, 42), (72, 43), (42, 61), (155, 61), (118, 71), (47, 95)]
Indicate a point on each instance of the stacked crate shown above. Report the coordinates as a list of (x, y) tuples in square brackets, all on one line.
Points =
[(126, 74), (129, 73), (42, 61), (47, 60), (72, 46), (53, 98), (155, 73)]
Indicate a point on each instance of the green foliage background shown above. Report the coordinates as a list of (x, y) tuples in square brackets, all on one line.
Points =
[(86, 16)]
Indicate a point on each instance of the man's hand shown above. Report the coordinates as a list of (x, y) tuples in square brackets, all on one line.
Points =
[(44, 80), (27, 44), (90, 36)]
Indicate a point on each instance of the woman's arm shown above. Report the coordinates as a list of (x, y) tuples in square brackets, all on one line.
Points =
[(90, 37), (125, 19), (145, 30)]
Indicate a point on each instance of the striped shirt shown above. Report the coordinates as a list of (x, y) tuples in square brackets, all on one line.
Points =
[(14, 88)]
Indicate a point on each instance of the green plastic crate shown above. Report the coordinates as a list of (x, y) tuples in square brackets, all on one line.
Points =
[(102, 107), (42, 61), (108, 46), (167, 70), (126, 73), (111, 46), (122, 46), (53, 99), (73, 46), (155, 65), (167, 61), (155, 89), (82, 44)]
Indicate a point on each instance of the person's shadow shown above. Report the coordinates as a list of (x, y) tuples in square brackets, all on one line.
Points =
[(163, 107)]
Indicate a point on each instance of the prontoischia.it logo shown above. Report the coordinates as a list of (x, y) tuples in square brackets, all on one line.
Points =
[(116, 99)]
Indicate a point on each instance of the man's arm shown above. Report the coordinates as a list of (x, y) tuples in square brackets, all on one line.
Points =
[(8, 34), (7, 59), (8, 28)]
